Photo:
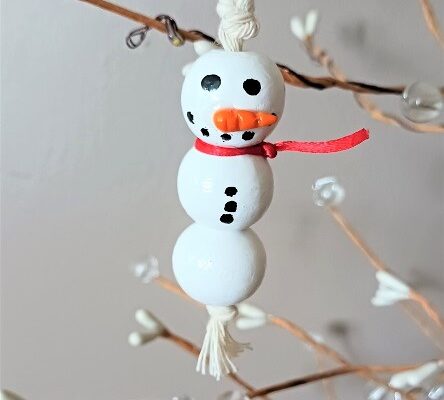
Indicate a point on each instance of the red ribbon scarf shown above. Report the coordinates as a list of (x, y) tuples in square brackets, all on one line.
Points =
[(270, 150)]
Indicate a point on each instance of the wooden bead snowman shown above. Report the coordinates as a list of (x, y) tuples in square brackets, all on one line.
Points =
[(231, 101)]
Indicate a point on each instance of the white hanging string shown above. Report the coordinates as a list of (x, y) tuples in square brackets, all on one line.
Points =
[(237, 23), (219, 347)]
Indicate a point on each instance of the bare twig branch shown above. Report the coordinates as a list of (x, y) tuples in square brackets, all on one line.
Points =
[(327, 384), (290, 327), (169, 285), (327, 375), (432, 21), (322, 348), (379, 265), (191, 348), (321, 57), (291, 77)]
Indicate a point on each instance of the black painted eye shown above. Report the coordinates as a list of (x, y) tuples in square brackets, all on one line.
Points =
[(210, 82), (252, 87)]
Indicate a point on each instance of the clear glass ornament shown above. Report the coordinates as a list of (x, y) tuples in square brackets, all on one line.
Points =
[(328, 192), (146, 271), (436, 393), (233, 395), (421, 102)]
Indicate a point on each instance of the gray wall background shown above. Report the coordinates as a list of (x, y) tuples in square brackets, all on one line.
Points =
[(92, 136)]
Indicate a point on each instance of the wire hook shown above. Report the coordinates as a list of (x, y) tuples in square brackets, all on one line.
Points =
[(175, 38), (136, 37)]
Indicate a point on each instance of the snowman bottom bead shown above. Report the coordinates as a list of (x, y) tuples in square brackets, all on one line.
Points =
[(218, 267)]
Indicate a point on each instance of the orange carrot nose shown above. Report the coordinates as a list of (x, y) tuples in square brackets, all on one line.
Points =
[(232, 120)]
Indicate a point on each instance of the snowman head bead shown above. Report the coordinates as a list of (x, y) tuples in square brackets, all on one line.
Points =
[(233, 99)]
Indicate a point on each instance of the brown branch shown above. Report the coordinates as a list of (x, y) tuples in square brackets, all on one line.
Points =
[(305, 337), (356, 239), (388, 118), (432, 21), (169, 285), (282, 323), (291, 77), (422, 320), (140, 18), (321, 57), (322, 348), (327, 384), (287, 325), (327, 375), (379, 265)]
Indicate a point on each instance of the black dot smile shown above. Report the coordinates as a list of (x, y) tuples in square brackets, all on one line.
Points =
[(230, 191), (205, 132), (226, 218), (225, 137), (230, 206), (190, 117)]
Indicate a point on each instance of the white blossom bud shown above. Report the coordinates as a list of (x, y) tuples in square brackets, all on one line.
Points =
[(250, 317), (150, 322), (390, 290), (186, 68), (414, 378), (154, 328), (138, 339), (311, 21), (203, 46), (297, 27)]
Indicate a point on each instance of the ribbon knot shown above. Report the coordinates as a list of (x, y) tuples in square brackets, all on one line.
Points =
[(269, 150)]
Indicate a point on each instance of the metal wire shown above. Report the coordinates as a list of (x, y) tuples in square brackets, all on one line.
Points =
[(137, 36)]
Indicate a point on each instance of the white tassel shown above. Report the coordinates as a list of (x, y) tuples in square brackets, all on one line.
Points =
[(219, 347)]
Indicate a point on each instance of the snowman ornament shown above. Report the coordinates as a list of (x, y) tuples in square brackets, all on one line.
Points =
[(231, 100)]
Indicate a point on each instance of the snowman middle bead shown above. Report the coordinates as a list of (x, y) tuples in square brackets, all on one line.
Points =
[(229, 99)]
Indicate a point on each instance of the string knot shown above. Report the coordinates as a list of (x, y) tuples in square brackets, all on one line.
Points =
[(237, 23), (223, 314)]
